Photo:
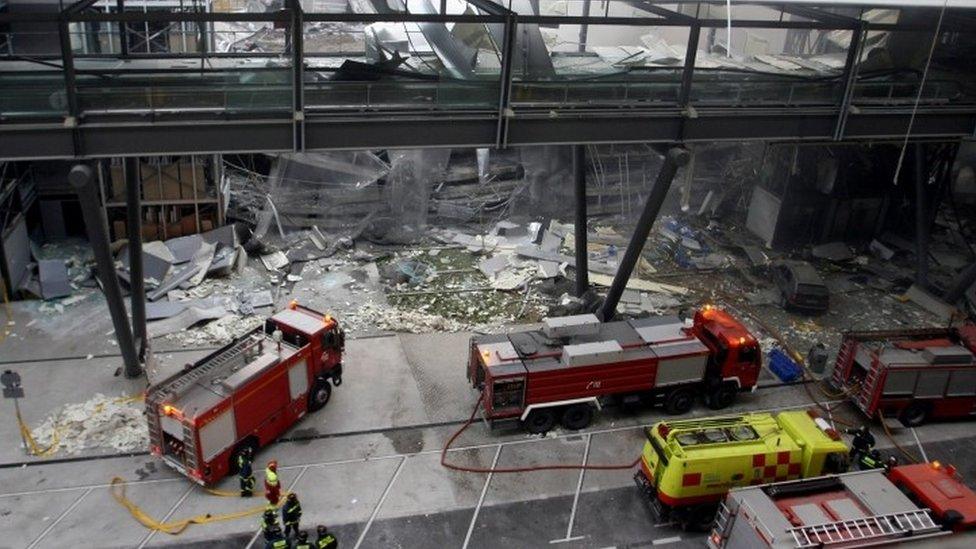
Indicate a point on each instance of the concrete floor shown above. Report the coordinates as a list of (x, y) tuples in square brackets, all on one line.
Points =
[(367, 467)]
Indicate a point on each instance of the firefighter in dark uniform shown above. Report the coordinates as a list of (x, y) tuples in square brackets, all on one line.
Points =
[(302, 541), (269, 523), (291, 514), (871, 460), (862, 443), (326, 540), (245, 471), (276, 540)]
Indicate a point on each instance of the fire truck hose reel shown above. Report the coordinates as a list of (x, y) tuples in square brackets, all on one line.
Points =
[(552, 467)]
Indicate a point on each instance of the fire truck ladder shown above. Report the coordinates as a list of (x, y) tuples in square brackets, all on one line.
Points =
[(184, 380), (845, 356), (867, 386), (879, 526)]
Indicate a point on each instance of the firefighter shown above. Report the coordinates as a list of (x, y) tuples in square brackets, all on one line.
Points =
[(870, 460), (326, 540), (269, 523), (302, 541), (272, 487), (245, 471), (890, 463), (291, 513), (862, 443), (276, 540)]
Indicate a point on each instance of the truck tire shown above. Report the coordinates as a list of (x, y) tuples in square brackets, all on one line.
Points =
[(577, 416), (722, 396), (540, 421), (914, 415), (679, 401), (699, 518), (320, 394)]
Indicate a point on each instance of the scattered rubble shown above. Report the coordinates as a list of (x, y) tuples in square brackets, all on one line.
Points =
[(98, 423)]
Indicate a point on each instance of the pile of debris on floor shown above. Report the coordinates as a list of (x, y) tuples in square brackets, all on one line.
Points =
[(98, 423)]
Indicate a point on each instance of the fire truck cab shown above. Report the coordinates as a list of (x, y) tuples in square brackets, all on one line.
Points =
[(562, 371), (245, 394)]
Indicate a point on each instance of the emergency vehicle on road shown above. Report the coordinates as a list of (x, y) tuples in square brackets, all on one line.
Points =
[(913, 375), (562, 371), (245, 394), (688, 466), (860, 509)]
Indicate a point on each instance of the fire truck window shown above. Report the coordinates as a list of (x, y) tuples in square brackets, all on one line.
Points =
[(748, 354), (963, 383), (722, 349), (507, 394)]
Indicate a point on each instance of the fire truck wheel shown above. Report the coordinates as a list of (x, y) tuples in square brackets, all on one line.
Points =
[(914, 415), (540, 421), (319, 396), (721, 397), (578, 416), (699, 518), (679, 401)]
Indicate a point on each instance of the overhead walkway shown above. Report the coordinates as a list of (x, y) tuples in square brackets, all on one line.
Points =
[(480, 76)]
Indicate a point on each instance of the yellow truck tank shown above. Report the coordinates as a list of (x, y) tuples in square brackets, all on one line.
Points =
[(688, 466)]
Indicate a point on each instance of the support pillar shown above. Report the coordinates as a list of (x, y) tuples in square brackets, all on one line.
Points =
[(137, 284), (673, 159), (921, 219), (582, 267), (81, 179)]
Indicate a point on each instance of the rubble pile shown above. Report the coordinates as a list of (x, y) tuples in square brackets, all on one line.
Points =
[(99, 423), (371, 317)]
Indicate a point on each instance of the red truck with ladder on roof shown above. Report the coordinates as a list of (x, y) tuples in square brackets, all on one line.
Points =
[(858, 509), (245, 394), (564, 370), (913, 375)]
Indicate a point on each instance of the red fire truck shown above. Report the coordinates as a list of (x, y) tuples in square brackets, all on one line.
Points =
[(245, 394), (860, 509), (562, 371), (914, 375)]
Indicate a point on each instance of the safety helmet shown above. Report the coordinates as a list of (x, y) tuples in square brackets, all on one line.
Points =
[(292, 496), (322, 530), (268, 513), (273, 465)]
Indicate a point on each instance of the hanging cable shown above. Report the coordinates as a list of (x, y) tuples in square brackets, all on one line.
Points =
[(918, 96)]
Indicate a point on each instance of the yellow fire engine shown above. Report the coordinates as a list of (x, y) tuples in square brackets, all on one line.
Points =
[(688, 466)]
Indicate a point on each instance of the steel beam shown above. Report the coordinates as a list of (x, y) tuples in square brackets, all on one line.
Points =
[(81, 179), (505, 81), (582, 256), (921, 219), (673, 159), (688, 74), (298, 73), (137, 283), (851, 65)]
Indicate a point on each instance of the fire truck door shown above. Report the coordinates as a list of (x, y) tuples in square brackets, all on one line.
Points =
[(218, 434)]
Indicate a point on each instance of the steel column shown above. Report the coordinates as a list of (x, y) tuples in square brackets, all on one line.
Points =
[(962, 282), (921, 219), (505, 81), (584, 28), (673, 159), (137, 284), (687, 75), (298, 72), (851, 66), (81, 179), (582, 267), (68, 69), (123, 30)]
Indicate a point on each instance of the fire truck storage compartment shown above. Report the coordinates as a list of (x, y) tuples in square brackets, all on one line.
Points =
[(218, 434), (173, 443), (680, 362), (579, 373), (920, 373), (258, 402)]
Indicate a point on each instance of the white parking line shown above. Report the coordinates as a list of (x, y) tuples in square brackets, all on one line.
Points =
[(579, 487), (666, 541), (61, 516), (169, 513), (376, 510), (920, 447), (289, 488), (481, 499)]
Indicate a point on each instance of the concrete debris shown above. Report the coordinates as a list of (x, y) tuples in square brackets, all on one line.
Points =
[(219, 331), (493, 265), (548, 269), (880, 250), (372, 316), (275, 261), (832, 251), (639, 284), (930, 303), (513, 278), (99, 423), (190, 316), (53, 277)]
